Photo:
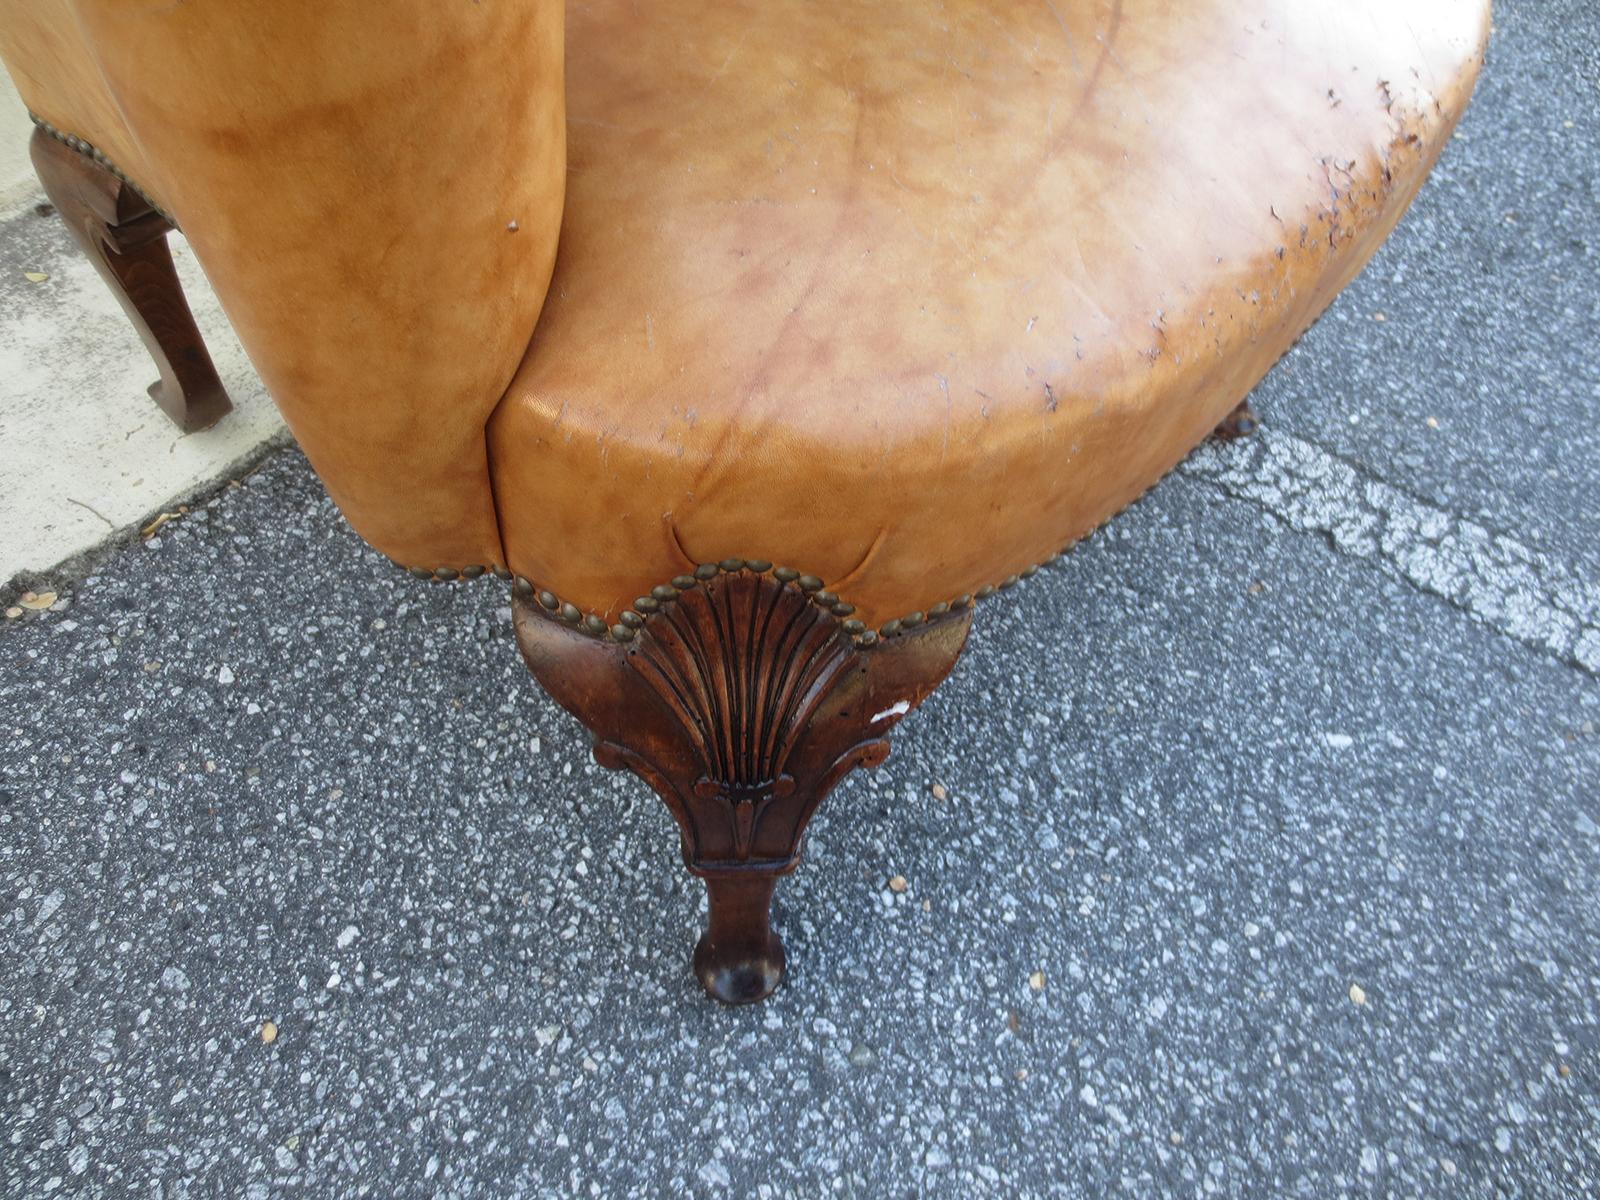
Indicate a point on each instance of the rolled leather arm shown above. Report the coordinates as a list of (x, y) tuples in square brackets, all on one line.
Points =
[(375, 192)]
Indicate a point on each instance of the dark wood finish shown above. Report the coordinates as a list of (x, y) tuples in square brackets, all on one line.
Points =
[(1241, 422), (741, 702), (126, 240)]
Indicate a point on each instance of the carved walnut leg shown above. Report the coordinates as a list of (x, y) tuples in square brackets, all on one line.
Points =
[(126, 240), (741, 695), (1241, 422)]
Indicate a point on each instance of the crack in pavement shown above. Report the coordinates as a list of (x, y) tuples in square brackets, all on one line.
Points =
[(1492, 576)]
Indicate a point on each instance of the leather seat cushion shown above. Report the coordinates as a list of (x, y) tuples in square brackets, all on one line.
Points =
[(909, 295)]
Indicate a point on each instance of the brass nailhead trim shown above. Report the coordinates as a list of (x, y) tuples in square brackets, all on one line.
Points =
[(93, 152), (630, 621)]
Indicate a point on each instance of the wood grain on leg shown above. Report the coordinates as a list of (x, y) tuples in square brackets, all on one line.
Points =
[(126, 240), (741, 696)]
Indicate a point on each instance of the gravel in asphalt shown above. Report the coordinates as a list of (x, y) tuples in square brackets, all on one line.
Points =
[(1267, 859)]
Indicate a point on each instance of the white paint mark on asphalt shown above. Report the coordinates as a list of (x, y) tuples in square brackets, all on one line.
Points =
[(1493, 576)]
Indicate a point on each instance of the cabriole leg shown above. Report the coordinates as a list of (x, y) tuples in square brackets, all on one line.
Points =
[(126, 240), (739, 958), (741, 694)]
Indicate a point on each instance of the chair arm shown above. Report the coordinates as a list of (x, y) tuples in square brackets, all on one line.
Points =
[(375, 192)]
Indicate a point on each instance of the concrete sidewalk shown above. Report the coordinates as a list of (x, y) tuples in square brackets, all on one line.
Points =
[(85, 456), (1265, 859)]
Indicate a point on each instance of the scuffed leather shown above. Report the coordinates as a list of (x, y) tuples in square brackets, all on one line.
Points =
[(375, 192), (911, 295), (904, 295)]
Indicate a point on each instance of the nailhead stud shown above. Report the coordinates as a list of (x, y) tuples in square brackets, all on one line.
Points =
[(421, 572), (548, 600), (809, 583), (986, 591), (785, 574), (707, 571), (631, 619), (447, 574), (594, 623), (912, 620), (731, 565), (855, 625), (759, 565), (663, 591), (843, 609), (570, 613), (868, 638), (622, 633), (471, 572), (647, 604), (684, 582), (890, 628)]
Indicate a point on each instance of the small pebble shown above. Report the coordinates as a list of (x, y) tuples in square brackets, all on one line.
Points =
[(898, 884), (1358, 994), (269, 1032)]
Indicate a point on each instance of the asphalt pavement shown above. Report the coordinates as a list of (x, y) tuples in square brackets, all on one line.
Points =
[(1264, 858)]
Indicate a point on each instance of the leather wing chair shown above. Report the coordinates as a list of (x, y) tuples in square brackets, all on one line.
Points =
[(754, 343)]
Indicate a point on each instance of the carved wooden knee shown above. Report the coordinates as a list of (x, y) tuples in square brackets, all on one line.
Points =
[(126, 239), (741, 694)]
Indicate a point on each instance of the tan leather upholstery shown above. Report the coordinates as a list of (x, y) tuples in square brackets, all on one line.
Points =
[(57, 77), (911, 295), (902, 294), (375, 191)]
